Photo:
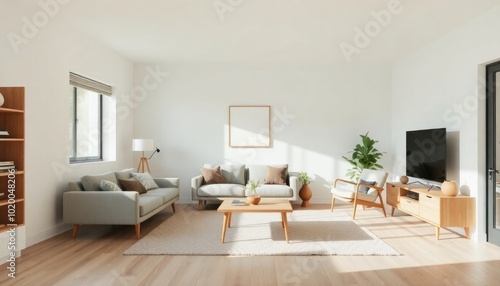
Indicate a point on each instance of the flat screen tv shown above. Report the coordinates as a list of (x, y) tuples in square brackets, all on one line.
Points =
[(426, 154)]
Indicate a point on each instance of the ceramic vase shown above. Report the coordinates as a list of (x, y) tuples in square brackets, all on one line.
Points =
[(449, 188), (403, 179), (253, 200), (305, 194)]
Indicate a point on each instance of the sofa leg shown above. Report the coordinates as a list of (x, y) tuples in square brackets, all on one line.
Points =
[(173, 207), (200, 205), (138, 231), (75, 230)]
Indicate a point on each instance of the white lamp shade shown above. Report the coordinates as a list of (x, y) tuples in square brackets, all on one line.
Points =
[(142, 145)]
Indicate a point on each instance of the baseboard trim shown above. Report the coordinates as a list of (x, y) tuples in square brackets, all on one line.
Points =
[(46, 234)]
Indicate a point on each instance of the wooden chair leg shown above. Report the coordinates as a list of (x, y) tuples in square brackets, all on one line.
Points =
[(173, 207), (382, 203), (138, 231), (354, 207), (200, 205), (75, 230), (333, 202)]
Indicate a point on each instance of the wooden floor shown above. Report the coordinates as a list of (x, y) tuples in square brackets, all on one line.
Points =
[(95, 258)]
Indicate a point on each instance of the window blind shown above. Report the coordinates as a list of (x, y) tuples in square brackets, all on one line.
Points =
[(89, 84)]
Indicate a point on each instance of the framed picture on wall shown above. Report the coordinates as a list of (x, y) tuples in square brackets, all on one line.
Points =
[(250, 126)]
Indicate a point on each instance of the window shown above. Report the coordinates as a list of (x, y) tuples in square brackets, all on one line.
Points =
[(86, 132)]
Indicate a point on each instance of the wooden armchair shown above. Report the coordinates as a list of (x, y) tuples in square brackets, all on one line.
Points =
[(365, 192)]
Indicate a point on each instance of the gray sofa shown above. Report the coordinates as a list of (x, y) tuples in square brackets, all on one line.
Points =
[(236, 177), (85, 202)]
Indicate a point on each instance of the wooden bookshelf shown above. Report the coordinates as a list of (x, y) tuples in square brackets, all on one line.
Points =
[(12, 203)]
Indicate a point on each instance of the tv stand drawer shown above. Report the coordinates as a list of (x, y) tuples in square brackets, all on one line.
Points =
[(409, 205)]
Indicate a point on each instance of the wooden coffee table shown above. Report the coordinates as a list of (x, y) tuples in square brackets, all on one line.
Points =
[(265, 206)]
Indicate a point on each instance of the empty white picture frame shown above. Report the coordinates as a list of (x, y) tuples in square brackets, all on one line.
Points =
[(250, 126)]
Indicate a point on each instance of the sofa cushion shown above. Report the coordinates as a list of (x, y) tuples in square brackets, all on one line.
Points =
[(364, 189), (259, 172), (132, 185), (124, 174), (92, 183), (167, 194), (149, 203), (273, 191), (109, 186), (232, 173), (222, 190), (146, 180), (276, 175), (212, 175)]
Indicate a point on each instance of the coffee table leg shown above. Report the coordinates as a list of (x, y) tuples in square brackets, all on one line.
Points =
[(229, 219), (224, 226), (284, 222)]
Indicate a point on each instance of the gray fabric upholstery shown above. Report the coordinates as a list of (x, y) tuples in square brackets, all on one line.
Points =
[(259, 172), (273, 191), (221, 190), (202, 192), (118, 208), (232, 173), (125, 174), (147, 203), (92, 183), (167, 194)]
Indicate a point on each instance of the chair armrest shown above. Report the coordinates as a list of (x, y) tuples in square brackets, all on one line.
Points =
[(378, 189), (196, 183), (101, 207), (167, 182), (343, 181), (295, 185)]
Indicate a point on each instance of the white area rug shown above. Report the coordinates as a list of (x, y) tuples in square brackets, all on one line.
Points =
[(311, 232)]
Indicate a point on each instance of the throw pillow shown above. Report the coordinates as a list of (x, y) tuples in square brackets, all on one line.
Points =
[(92, 183), (276, 175), (364, 189), (109, 186), (132, 185), (146, 180), (212, 176)]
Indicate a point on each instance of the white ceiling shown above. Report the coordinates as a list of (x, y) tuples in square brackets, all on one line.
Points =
[(304, 31)]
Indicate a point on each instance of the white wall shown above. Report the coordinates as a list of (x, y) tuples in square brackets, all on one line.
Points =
[(326, 107), (42, 64), (442, 85)]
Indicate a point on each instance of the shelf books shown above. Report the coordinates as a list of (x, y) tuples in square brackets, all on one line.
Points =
[(5, 166), (4, 133)]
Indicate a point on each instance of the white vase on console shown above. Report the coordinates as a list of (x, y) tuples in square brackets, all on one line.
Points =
[(449, 188)]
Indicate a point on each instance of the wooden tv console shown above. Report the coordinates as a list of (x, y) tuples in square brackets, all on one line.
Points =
[(432, 206)]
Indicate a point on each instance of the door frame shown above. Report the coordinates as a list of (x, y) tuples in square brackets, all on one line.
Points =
[(492, 233)]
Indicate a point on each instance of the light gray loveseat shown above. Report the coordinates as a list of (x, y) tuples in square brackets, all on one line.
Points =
[(86, 203), (236, 176)]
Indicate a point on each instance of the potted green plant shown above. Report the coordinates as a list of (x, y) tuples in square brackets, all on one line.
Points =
[(305, 192), (363, 156), (253, 198)]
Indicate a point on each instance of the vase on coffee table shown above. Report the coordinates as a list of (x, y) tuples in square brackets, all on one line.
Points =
[(253, 198)]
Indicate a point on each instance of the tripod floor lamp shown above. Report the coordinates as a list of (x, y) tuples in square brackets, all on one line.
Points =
[(144, 145)]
